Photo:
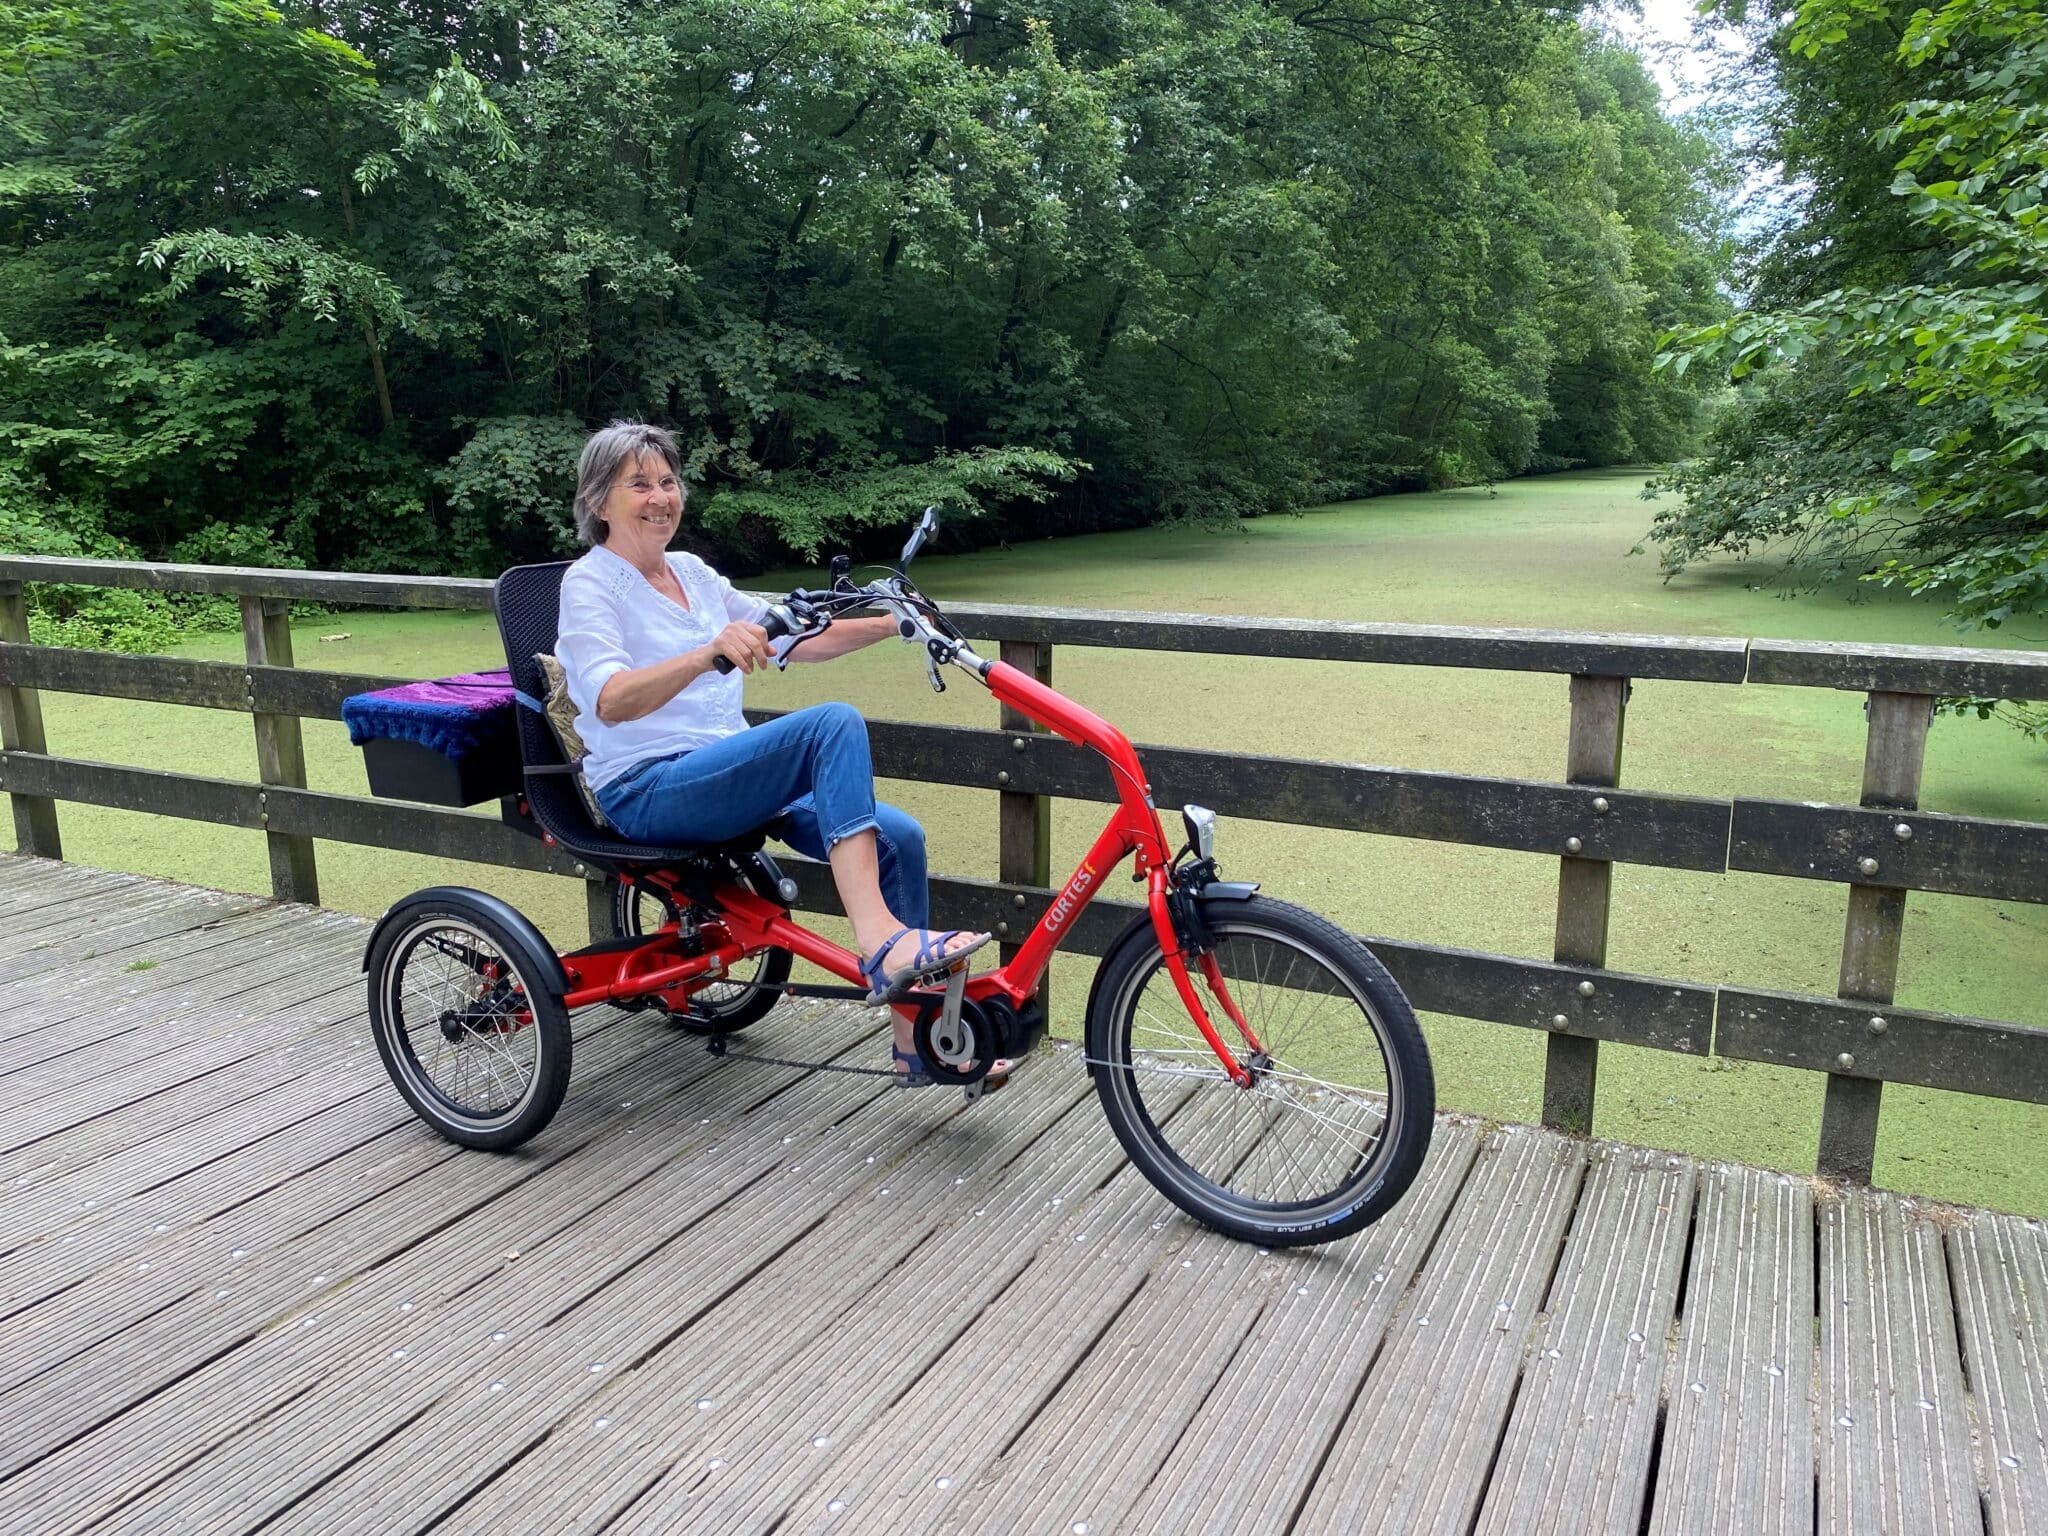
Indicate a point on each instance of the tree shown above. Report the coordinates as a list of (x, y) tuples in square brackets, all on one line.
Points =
[(1906, 427)]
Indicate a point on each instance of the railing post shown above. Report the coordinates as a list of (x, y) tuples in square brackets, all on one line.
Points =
[(1024, 822), (280, 749), (21, 730), (1571, 1064), (599, 901), (1892, 760)]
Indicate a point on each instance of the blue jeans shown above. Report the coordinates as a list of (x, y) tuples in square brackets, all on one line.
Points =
[(805, 777)]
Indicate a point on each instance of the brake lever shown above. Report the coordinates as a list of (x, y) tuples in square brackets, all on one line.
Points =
[(782, 661)]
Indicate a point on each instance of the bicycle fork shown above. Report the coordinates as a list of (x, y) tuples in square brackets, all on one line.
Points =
[(1170, 945)]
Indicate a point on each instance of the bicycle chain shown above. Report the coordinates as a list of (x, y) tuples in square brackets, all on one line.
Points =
[(716, 1046)]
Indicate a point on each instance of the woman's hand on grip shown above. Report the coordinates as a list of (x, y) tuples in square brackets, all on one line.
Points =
[(743, 644)]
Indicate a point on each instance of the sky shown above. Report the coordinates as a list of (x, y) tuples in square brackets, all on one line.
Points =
[(1663, 33)]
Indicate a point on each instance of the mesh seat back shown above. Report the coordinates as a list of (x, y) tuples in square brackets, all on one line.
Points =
[(528, 601)]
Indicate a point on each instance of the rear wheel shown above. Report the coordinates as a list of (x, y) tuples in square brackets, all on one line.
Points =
[(747, 994), (1333, 1125), (479, 1048)]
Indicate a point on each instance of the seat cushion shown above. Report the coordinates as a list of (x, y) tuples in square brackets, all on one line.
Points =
[(561, 712)]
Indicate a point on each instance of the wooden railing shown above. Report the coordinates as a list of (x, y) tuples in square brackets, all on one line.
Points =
[(1879, 849)]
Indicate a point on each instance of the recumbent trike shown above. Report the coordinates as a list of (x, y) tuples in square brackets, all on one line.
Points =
[(1257, 1063)]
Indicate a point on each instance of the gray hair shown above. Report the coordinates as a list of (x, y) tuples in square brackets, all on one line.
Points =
[(618, 444)]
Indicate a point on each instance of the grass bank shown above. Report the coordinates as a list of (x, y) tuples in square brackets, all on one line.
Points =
[(1550, 552)]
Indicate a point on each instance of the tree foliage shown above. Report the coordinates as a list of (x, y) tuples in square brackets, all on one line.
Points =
[(358, 279), (1902, 427)]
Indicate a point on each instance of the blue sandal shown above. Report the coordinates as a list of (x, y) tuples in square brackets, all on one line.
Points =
[(914, 1074), (932, 959)]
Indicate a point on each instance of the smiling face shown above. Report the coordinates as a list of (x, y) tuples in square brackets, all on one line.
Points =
[(643, 506)]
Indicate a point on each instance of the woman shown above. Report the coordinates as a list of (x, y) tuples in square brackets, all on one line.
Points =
[(672, 760)]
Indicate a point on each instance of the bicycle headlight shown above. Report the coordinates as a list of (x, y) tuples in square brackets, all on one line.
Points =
[(1201, 824)]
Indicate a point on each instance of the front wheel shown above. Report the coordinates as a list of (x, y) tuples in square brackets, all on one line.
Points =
[(478, 1046), (1333, 1125)]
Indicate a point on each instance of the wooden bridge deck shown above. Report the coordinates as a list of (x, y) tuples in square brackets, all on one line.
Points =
[(242, 1289)]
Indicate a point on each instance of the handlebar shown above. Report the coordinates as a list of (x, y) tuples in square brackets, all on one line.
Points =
[(778, 621), (805, 613)]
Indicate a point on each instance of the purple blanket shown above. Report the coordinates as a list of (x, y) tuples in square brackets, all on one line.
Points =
[(455, 716)]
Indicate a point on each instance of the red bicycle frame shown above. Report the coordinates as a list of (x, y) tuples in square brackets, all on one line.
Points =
[(610, 973)]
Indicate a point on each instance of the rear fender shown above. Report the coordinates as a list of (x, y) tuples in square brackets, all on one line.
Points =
[(535, 957)]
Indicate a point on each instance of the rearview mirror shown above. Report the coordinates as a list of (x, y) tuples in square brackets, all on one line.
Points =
[(927, 527)]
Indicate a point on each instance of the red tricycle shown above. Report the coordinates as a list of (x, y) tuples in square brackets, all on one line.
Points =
[(1257, 1062)]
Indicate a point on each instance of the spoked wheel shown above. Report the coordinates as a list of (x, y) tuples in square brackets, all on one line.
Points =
[(479, 1048), (1335, 1121), (749, 991)]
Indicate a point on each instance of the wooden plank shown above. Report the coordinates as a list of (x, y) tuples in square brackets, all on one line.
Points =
[(1023, 821), (858, 1238), (1669, 831), (1693, 658), (1926, 669), (307, 812), (1666, 831), (353, 588), (388, 1367), (1576, 1456), (1415, 1450), (979, 1391), (1884, 1044), (152, 1217), (148, 1248), (1333, 1308), (1738, 1437), (1680, 656), (1892, 759), (1917, 850), (280, 749), (1571, 1063), (21, 730), (1999, 1266), (839, 1370), (87, 993), (141, 926), (1894, 1415), (216, 1372), (277, 690)]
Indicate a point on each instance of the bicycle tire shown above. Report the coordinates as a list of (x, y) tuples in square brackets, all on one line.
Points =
[(474, 993), (1251, 1162)]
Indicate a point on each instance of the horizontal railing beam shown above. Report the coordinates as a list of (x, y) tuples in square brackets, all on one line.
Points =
[(273, 808), (1884, 1043), (1666, 831), (1471, 984), (1930, 669), (1534, 994), (1682, 657), (1669, 831), (1905, 850)]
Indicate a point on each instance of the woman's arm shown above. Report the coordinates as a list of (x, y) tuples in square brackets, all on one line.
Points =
[(845, 635), (640, 691)]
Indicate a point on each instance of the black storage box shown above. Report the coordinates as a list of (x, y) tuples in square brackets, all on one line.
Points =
[(451, 741)]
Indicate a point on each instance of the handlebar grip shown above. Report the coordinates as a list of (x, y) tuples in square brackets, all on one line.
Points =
[(776, 621)]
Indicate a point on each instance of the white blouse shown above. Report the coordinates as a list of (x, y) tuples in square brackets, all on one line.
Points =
[(613, 620)]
